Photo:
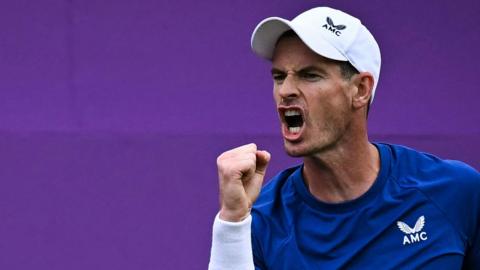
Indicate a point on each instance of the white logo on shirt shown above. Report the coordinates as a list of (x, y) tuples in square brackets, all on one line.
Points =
[(413, 235)]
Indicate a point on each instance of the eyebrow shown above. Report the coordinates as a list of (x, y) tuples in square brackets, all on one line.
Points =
[(302, 70), (276, 71)]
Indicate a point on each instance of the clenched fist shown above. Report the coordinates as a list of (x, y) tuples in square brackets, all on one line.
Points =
[(240, 172)]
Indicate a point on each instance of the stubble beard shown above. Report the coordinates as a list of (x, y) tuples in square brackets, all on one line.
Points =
[(328, 139), (298, 150)]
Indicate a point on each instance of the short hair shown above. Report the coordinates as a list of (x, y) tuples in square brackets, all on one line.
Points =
[(346, 68)]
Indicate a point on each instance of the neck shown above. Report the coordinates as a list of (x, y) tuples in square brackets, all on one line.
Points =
[(342, 173)]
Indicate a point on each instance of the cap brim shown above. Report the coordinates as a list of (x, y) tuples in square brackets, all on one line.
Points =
[(267, 32)]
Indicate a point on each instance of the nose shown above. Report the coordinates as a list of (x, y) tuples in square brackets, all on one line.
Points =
[(289, 88)]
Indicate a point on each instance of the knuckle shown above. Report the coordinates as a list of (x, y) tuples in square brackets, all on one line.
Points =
[(227, 168), (220, 162), (250, 164)]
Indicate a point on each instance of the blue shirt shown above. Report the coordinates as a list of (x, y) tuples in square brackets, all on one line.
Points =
[(421, 213)]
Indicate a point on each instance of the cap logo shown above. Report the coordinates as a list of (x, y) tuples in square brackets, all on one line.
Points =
[(335, 29)]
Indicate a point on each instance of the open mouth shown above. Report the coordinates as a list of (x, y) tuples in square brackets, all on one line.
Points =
[(293, 119)]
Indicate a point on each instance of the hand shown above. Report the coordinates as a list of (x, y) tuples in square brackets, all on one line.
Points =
[(240, 172)]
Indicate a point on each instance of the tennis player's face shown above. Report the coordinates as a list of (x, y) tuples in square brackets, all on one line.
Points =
[(312, 98)]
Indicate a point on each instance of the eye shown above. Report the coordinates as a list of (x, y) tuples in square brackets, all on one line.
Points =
[(310, 76), (278, 78)]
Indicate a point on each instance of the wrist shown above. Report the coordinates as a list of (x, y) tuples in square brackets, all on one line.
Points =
[(233, 215)]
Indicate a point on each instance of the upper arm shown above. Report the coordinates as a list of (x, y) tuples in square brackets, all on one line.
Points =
[(456, 191), (472, 257), (257, 253)]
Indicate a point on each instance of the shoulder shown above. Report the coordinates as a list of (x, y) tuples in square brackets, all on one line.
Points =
[(451, 185), (275, 188), (276, 199), (414, 168), (269, 209)]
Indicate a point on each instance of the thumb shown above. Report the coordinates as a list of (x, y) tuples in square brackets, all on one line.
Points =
[(263, 158)]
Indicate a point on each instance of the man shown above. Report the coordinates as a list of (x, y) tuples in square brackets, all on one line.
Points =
[(352, 204)]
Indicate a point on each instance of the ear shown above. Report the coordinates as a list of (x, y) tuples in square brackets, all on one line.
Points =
[(364, 83)]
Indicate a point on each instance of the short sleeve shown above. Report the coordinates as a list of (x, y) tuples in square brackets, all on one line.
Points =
[(257, 254), (472, 257)]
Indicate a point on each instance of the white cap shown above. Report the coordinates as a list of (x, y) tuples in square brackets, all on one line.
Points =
[(329, 32)]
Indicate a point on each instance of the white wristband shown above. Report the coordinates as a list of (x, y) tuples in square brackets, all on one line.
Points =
[(231, 245)]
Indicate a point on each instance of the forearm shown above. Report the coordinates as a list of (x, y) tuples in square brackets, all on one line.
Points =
[(231, 245)]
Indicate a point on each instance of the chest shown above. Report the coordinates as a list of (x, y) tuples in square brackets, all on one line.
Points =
[(396, 235)]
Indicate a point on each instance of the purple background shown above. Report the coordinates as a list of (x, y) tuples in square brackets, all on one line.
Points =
[(112, 114)]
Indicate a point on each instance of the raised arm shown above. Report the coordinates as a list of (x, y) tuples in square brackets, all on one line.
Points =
[(241, 172)]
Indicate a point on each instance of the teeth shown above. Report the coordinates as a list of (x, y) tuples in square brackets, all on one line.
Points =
[(291, 113), (294, 129)]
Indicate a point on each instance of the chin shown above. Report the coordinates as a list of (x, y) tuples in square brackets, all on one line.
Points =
[(294, 153), (304, 150), (296, 150)]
